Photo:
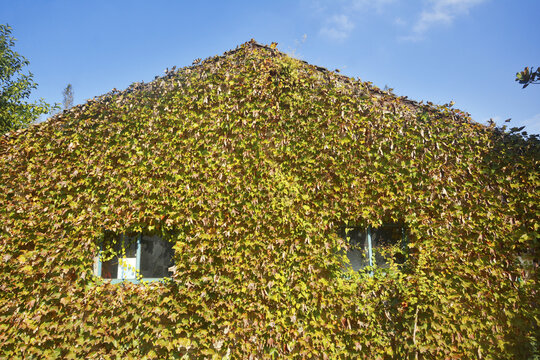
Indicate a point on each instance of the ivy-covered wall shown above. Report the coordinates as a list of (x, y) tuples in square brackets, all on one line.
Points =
[(251, 163)]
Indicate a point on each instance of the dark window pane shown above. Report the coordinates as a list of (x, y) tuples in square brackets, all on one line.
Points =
[(109, 269), (128, 247), (382, 239), (358, 251), (156, 257)]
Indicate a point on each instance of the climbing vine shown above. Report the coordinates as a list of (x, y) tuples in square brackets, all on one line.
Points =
[(251, 163)]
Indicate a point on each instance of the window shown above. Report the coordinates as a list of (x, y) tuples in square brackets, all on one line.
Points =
[(134, 257), (373, 247)]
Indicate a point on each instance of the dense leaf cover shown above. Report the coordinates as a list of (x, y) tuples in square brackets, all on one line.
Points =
[(250, 163)]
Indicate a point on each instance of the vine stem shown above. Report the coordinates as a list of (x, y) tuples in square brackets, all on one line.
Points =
[(414, 332)]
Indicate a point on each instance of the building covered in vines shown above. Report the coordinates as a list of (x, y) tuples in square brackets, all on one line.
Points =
[(254, 206)]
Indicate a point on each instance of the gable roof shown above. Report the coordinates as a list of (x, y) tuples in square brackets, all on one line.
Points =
[(386, 99)]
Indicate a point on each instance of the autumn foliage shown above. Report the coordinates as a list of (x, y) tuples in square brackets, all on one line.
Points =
[(250, 163)]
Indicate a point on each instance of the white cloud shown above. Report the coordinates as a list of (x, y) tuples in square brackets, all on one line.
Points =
[(337, 27), (368, 4), (532, 125), (440, 12), (400, 22), (341, 17), (346, 13), (294, 52)]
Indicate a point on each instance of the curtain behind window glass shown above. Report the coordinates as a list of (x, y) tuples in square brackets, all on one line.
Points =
[(156, 257)]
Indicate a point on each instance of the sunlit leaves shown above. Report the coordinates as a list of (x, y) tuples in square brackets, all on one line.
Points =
[(250, 163)]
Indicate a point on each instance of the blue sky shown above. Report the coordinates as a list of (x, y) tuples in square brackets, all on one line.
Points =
[(466, 51)]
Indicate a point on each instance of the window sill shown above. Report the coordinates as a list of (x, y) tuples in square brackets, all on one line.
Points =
[(136, 281)]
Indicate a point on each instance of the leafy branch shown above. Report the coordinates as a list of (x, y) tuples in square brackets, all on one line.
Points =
[(15, 87), (528, 76)]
